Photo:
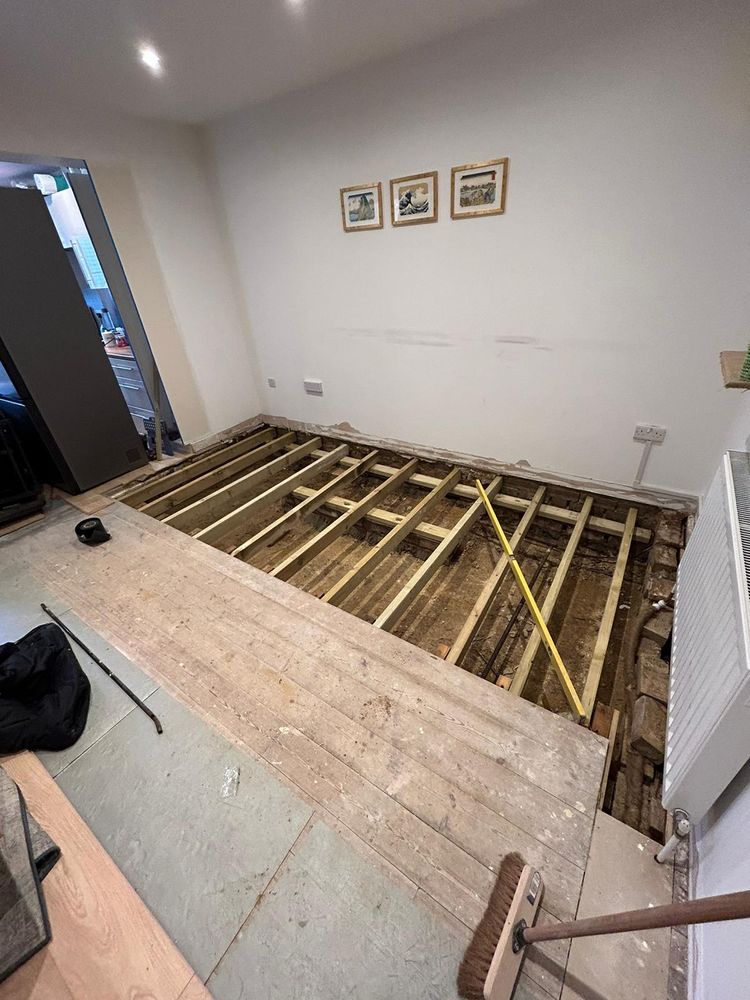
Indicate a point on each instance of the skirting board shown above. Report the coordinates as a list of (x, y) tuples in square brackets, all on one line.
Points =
[(682, 502)]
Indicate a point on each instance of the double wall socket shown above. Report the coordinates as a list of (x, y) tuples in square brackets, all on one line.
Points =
[(649, 432)]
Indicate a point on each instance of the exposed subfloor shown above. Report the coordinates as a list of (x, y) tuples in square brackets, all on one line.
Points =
[(379, 786), (435, 619)]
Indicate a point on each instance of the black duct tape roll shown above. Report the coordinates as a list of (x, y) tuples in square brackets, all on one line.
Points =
[(92, 531)]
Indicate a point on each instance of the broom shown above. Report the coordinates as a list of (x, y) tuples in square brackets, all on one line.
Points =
[(492, 961)]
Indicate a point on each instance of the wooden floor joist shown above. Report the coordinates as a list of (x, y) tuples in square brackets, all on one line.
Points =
[(135, 496), (238, 490), (608, 618), (389, 542), (426, 532), (217, 499), (524, 667), (478, 612), (299, 558), (223, 525), (562, 515), (388, 618), (272, 532), (181, 495)]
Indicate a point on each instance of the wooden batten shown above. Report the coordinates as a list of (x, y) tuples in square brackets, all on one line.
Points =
[(274, 531), (425, 531), (391, 541), (217, 529), (135, 496), (181, 495), (208, 507), (524, 667), (608, 618), (315, 545), (562, 515), (477, 615), (388, 618)]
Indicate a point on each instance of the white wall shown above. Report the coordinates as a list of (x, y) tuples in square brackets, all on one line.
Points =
[(720, 967), (601, 298), (153, 184)]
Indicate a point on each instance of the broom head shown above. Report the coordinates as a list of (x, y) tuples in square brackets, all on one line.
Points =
[(490, 967)]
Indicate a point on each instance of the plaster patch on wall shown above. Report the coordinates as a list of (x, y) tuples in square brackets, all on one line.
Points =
[(522, 468), (409, 338)]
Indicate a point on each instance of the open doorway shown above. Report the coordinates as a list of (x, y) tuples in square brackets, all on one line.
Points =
[(71, 200)]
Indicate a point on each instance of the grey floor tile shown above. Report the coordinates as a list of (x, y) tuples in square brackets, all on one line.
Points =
[(20, 597), (108, 703), (198, 859), (334, 925)]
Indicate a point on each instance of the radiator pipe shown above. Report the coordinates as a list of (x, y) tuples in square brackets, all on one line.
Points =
[(681, 830)]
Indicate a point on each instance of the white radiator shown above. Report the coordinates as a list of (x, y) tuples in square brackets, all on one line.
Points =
[(708, 724)]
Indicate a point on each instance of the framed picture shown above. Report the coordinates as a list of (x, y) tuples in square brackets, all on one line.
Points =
[(414, 199), (479, 189), (362, 207)]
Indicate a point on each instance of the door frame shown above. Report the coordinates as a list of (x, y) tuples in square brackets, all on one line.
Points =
[(84, 190)]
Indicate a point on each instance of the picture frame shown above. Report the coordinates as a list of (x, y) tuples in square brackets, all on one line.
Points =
[(362, 207), (479, 189), (414, 199)]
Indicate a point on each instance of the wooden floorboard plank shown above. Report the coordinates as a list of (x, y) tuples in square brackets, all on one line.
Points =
[(524, 667), (315, 545), (309, 621), (372, 559), (482, 604), (106, 944), (194, 466), (212, 656), (419, 580), (217, 476), (335, 714), (206, 509), (272, 532), (234, 518), (608, 618), (276, 638)]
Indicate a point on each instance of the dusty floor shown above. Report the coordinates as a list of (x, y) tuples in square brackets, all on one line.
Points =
[(436, 616)]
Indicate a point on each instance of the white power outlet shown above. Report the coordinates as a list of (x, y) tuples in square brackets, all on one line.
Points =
[(313, 386), (649, 432)]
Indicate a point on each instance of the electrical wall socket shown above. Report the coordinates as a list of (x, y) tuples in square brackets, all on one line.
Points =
[(313, 386), (271, 382), (649, 432)]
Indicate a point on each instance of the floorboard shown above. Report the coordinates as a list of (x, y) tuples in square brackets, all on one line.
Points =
[(433, 771)]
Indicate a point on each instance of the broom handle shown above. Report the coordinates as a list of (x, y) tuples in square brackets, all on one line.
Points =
[(731, 906)]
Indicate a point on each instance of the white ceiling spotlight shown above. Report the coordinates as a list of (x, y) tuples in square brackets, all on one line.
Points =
[(151, 58)]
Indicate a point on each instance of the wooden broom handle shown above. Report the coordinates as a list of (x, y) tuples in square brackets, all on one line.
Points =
[(731, 906)]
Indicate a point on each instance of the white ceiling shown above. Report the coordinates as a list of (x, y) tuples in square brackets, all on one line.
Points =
[(218, 55)]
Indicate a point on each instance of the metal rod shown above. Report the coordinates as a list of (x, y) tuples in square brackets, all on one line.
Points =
[(513, 618), (133, 697)]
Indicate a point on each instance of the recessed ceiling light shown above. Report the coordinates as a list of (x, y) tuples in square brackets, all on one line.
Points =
[(151, 58)]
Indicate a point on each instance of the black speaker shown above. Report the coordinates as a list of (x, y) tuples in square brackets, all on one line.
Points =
[(20, 491)]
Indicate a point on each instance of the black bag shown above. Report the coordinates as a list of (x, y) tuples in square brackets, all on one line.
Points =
[(44, 693)]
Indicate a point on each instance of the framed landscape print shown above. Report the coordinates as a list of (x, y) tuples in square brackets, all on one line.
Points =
[(479, 189), (362, 207), (414, 199)]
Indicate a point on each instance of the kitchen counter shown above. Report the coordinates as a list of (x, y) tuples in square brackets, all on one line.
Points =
[(119, 352)]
